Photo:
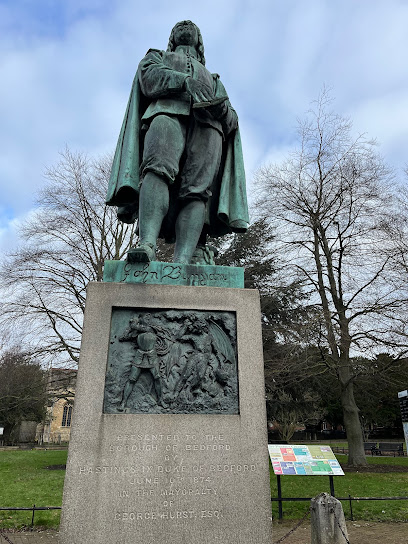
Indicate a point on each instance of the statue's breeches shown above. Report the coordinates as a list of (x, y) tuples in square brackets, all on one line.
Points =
[(183, 148)]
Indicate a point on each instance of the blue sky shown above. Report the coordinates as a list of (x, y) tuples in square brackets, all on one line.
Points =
[(67, 67)]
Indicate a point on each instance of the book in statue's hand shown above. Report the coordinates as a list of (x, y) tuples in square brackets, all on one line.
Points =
[(209, 103)]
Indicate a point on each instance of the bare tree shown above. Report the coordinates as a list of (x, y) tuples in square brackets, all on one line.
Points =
[(291, 413), (330, 202), (65, 243)]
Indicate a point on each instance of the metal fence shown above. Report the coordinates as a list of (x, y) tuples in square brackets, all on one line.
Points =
[(348, 499), (32, 509), (279, 500)]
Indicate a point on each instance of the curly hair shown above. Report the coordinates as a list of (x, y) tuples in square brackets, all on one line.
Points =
[(200, 46)]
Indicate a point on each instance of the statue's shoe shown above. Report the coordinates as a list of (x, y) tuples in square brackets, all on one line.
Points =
[(143, 253)]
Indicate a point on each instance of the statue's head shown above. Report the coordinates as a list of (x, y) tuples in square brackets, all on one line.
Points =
[(147, 318), (187, 33)]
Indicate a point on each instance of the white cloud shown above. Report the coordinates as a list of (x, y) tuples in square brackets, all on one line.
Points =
[(67, 70), (9, 230), (387, 116)]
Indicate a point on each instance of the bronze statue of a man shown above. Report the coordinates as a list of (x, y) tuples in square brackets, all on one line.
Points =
[(178, 164)]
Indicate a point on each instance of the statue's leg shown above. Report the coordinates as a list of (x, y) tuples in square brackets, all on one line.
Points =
[(189, 224), (163, 146), (203, 157), (133, 377), (160, 400), (153, 206)]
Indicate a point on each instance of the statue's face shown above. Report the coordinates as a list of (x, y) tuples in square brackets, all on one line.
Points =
[(185, 33)]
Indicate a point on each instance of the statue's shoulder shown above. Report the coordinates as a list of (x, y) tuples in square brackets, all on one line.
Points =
[(155, 52), (152, 56)]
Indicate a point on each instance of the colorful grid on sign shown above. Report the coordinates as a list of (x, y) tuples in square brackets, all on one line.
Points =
[(304, 461)]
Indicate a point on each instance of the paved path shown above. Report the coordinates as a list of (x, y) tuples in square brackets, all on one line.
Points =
[(44, 537), (360, 532)]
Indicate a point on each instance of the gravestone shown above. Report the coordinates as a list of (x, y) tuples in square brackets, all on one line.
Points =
[(173, 449)]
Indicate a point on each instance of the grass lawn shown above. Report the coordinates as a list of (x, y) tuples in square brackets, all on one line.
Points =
[(364, 484), (25, 481)]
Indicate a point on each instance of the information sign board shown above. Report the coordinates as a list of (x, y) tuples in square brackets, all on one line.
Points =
[(298, 460), (403, 400)]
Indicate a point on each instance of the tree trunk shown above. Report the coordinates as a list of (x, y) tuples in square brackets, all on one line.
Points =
[(7, 434), (286, 431), (353, 426)]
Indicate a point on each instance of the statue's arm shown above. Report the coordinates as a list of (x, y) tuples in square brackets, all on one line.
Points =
[(224, 112), (158, 80)]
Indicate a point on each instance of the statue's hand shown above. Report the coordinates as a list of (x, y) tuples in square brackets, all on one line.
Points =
[(200, 92), (218, 110)]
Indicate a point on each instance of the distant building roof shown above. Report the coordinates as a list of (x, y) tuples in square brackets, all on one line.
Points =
[(61, 379)]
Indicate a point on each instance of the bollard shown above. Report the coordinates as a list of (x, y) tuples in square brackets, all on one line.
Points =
[(327, 521)]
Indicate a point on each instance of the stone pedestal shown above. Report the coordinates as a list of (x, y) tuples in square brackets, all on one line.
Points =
[(167, 477)]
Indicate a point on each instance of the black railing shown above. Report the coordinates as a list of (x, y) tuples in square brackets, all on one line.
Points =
[(279, 500), (32, 509), (348, 499)]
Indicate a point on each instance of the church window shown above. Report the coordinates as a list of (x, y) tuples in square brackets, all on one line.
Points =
[(66, 416)]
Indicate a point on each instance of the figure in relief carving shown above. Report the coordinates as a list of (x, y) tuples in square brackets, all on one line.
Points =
[(178, 164), (198, 357), (146, 358), (172, 362)]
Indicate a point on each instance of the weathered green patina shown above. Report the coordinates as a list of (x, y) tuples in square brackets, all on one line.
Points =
[(178, 165), (172, 361), (159, 273)]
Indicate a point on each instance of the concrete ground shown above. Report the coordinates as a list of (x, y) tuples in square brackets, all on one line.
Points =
[(361, 532), (34, 537)]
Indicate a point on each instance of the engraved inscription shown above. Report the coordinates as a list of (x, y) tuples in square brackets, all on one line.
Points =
[(165, 469), (151, 516), (173, 478), (167, 273)]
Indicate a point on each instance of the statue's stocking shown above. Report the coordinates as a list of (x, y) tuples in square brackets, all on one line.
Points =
[(153, 206), (189, 225)]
